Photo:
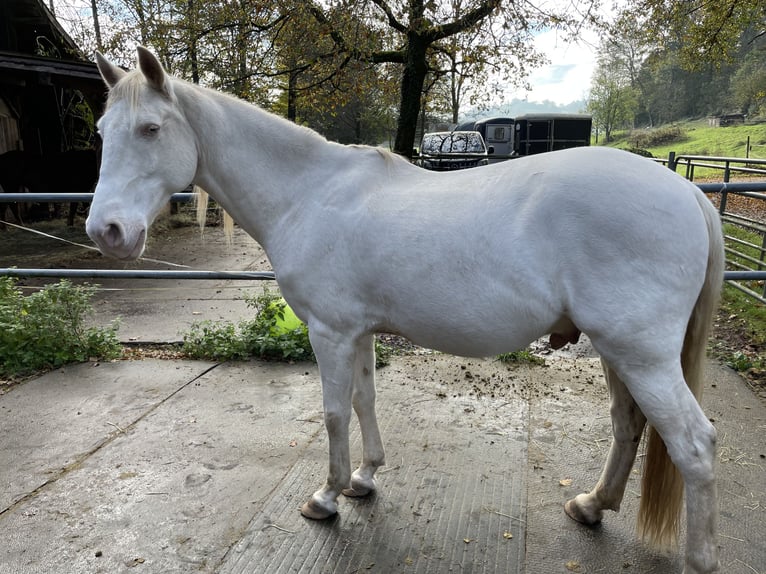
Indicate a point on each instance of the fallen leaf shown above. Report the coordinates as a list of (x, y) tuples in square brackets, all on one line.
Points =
[(409, 561), (293, 442), (468, 540), (565, 482), (573, 566), (507, 535)]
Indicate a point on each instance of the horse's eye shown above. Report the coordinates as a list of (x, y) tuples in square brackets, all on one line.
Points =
[(150, 130)]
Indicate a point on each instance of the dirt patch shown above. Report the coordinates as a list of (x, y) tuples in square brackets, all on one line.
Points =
[(749, 207), (731, 337)]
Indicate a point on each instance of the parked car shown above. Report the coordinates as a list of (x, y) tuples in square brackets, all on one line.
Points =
[(443, 151)]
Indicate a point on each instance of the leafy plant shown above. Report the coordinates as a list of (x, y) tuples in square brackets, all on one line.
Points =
[(47, 329), (273, 334), (263, 337), (740, 361), (520, 357)]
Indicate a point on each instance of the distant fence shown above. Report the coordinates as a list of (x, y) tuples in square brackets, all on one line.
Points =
[(726, 165), (747, 257), (749, 275)]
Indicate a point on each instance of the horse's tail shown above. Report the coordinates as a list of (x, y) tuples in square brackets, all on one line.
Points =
[(662, 487), (201, 198)]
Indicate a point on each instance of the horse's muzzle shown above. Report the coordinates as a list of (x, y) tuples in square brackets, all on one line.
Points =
[(117, 240)]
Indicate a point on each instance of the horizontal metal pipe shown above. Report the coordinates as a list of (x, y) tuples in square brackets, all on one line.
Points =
[(64, 197), (740, 187), (240, 275), (744, 275), (746, 188), (137, 274)]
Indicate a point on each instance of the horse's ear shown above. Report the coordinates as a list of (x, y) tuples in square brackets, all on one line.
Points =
[(109, 72), (153, 71)]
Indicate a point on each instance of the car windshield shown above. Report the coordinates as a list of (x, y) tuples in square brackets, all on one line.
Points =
[(453, 142)]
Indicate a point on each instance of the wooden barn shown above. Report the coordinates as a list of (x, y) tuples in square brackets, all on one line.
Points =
[(49, 90)]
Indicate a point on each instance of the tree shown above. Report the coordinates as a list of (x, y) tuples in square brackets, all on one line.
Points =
[(245, 45), (612, 100), (749, 92), (702, 31), (628, 49), (415, 29)]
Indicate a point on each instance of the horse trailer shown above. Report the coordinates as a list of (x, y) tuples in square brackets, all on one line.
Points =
[(530, 134)]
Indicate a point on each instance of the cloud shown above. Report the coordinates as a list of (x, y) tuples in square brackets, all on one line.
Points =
[(554, 74), (566, 78)]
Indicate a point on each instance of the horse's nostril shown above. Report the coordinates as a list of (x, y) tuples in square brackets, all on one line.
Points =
[(113, 235)]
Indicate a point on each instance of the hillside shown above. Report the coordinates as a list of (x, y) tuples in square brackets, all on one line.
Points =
[(697, 138)]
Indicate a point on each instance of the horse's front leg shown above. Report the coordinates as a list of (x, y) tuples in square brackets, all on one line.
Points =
[(363, 399), (336, 358)]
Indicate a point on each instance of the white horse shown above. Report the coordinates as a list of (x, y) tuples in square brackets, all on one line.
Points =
[(474, 263)]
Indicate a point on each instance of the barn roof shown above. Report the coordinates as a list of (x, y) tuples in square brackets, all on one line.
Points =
[(33, 45)]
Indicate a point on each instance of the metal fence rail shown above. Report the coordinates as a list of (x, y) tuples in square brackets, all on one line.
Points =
[(211, 275), (729, 165), (138, 274)]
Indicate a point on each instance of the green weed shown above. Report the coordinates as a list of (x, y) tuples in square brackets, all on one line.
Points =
[(47, 329), (264, 337), (259, 337), (524, 357)]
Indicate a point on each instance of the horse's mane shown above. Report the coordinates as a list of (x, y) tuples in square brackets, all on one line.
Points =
[(388, 156), (128, 88)]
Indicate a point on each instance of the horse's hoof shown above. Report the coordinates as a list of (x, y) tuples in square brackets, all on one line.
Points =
[(315, 511), (576, 513), (357, 492), (359, 488)]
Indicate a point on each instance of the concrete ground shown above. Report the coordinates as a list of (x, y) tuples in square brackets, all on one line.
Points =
[(186, 466)]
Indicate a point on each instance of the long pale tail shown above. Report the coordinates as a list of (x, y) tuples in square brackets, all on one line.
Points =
[(201, 199), (662, 487)]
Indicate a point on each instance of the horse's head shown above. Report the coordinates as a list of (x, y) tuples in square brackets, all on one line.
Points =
[(149, 153)]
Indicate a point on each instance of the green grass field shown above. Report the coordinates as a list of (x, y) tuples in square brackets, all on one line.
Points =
[(697, 138)]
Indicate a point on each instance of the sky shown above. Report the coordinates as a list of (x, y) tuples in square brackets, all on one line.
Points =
[(568, 75)]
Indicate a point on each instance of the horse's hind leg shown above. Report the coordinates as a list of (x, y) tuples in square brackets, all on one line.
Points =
[(363, 399), (627, 426), (670, 407)]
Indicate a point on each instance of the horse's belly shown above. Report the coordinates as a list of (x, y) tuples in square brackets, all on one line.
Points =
[(477, 339)]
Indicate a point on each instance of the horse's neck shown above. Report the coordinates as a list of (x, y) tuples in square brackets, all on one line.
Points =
[(256, 165)]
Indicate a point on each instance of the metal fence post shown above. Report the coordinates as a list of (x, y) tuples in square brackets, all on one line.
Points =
[(762, 266), (672, 161)]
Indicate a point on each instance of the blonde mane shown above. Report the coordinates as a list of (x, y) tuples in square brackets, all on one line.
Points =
[(128, 88)]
